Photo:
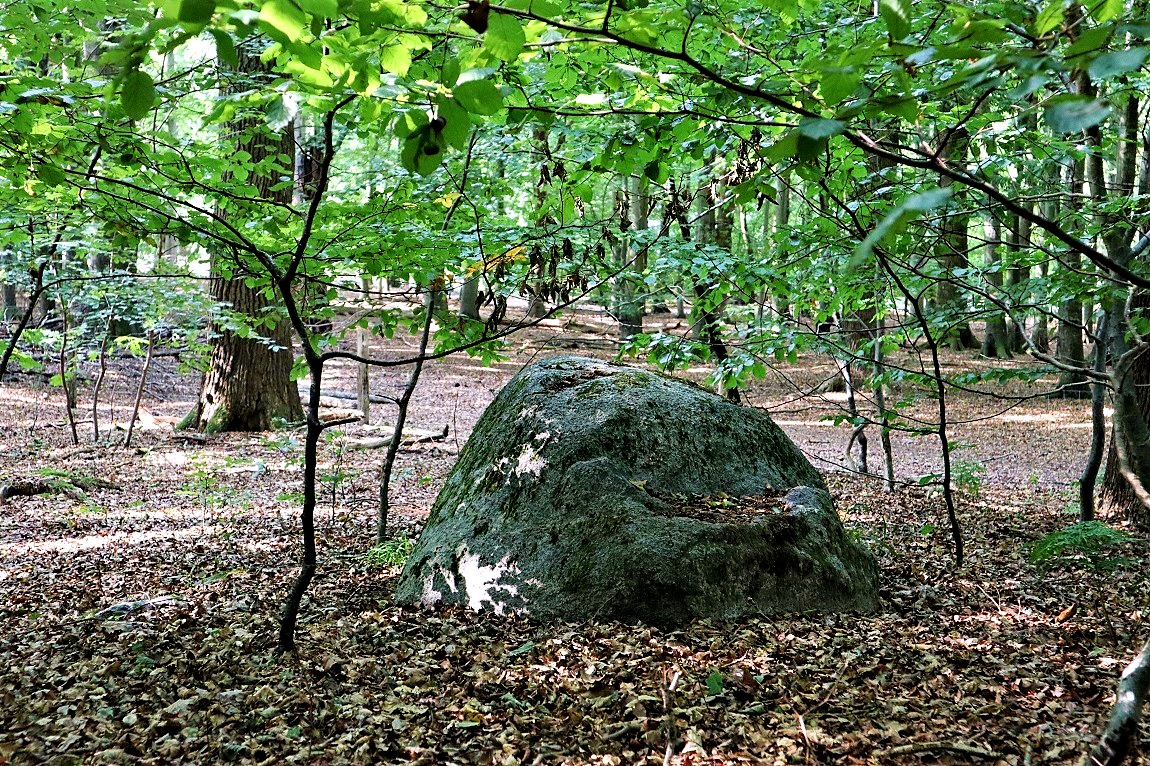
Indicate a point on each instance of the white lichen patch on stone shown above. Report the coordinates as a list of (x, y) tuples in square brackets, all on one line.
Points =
[(529, 462), (481, 583), (430, 595)]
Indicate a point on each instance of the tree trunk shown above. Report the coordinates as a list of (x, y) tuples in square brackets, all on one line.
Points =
[(1071, 350), (708, 316), (1121, 733), (469, 298), (8, 307), (1124, 490), (631, 308), (952, 251), (996, 343), (1129, 452), (248, 384), (1018, 278)]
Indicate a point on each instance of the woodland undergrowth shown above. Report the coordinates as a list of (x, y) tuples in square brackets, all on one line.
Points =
[(140, 614)]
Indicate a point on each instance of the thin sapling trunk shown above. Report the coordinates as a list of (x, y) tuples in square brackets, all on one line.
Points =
[(100, 379), (140, 388), (1089, 478), (66, 380), (401, 406)]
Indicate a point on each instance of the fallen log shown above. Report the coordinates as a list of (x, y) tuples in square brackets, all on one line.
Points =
[(410, 436)]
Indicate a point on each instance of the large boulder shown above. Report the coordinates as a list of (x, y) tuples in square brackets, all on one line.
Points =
[(594, 490)]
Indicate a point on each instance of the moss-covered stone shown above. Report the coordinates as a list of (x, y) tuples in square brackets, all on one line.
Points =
[(562, 506)]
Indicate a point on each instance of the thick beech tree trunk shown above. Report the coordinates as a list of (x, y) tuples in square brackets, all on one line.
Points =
[(715, 227), (1071, 349), (1127, 481), (952, 251), (8, 306), (1131, 457), (248, 384)]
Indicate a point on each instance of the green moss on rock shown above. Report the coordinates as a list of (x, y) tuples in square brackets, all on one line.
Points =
[(559, 506)]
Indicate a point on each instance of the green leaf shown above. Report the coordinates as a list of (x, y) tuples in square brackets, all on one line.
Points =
[(279, 113), (1073, 114), (1111, 65), (479, 96), (225, 48), (50, 174), (1089, 44), (395, 59), (454, 123), (820, 128), (285, 17), (838, 85), (408, 122), (522, 649), (505, 37), (1104, 10), (321, 8), (450, 72), (657, 171), (896, 14), (137, 94), (196, 11), (783, 149), (897, 219), (422, 151), (1050, 18), (715, 683)]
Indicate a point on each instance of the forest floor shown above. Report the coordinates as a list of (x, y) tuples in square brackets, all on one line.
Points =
[(139, 601)]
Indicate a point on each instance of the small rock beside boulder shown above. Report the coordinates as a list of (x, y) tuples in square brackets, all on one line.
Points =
[(595, 490)]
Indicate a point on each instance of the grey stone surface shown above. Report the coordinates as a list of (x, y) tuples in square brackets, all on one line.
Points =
[(566, 504)]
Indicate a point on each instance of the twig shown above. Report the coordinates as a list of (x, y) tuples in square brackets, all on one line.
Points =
[(950, 747), (69, 394), (669, 712), (806, 739)]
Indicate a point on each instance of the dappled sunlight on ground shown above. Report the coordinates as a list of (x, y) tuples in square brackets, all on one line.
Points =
[(112, 539)]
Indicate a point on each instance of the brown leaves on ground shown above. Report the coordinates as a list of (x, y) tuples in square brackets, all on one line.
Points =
[(139, 623), (145, 634)]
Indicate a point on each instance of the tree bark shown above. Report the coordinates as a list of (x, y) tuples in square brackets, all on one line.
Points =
[(248, 385), (631, 302), (1128, 459), (708, 319), (1071, 349), (9, 309), (952, 251), (996, 343), (1122, 730)]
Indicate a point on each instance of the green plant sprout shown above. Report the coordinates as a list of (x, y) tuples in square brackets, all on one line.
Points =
[(1086, 541), (392, 553)]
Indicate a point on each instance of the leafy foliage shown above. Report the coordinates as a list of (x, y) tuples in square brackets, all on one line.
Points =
[(1087, 541), (392, 553)]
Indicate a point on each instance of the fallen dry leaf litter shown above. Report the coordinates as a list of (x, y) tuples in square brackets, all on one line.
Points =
[(139, 618)]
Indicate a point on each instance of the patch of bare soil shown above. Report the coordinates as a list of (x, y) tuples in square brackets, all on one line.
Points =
[(140, 603)]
